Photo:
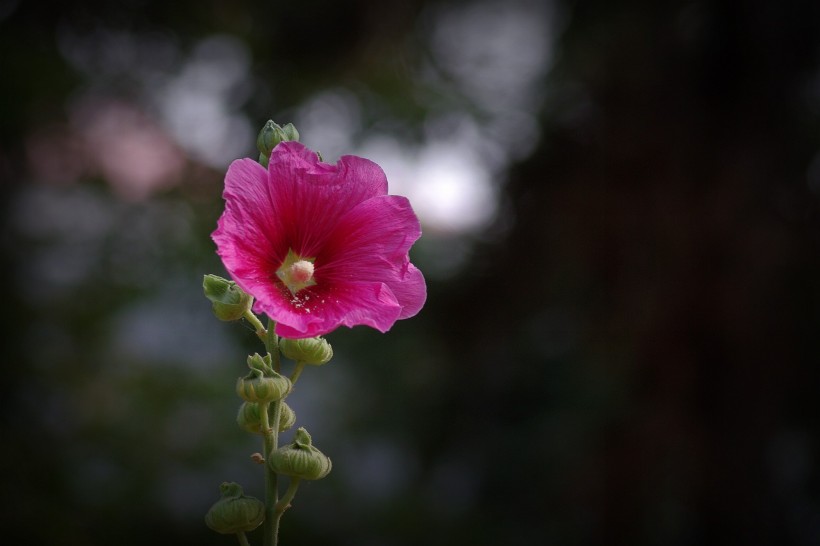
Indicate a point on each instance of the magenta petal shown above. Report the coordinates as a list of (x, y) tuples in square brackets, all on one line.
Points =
[(368, 304), (410, 291), (371, 243), (309, 196), (245, 236), (381, 228)]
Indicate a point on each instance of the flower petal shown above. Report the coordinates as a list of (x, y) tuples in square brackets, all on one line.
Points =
[(369, 304), (371, 244), (384, 226), (410, 291), (245, 236), (310, 197)]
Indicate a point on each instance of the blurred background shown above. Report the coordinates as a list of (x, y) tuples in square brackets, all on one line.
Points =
[(621, 213)]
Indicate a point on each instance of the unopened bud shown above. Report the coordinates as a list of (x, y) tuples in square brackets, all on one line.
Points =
[(262, 384), (312, 350), (287, 417), (290, 132), (271, 135), (248, 417), (300, 459), (234, 512), (229, 301)]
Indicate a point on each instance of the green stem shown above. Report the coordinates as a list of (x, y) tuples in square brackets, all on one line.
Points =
[(243, 539), (256, 323), (272, 345), (297, 371), (284, 504), (270, 429)]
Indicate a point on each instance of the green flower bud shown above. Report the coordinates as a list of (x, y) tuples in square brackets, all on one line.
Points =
[(262, 384), (229, 301), (234, 512), (248, 417), (272, 134), (300, 459), (287, 417), (290, 132), (313, 350)]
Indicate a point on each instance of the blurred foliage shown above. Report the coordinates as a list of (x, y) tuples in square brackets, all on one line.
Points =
[(626, 354)]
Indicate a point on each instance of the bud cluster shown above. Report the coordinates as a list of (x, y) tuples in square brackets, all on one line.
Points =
[(264, 385), (271, 135)]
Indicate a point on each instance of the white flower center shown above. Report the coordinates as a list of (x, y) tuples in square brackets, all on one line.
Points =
[(301, 272), (296, 272)]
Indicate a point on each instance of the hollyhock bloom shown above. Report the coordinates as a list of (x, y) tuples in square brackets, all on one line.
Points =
[(319, 246)]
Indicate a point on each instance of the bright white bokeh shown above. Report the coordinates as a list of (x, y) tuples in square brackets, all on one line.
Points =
[(494, 55), (450, 189)]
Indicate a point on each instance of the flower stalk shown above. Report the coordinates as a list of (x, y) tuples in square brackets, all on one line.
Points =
[(284, 503), (271, 439), (270, 430), (336, 273), (297, 371), (256, 323)]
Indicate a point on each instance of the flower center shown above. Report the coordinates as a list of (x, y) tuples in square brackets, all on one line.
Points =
[(301, 272), (296, 272)]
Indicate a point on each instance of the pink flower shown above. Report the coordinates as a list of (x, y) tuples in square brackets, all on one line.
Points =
[(319, 246)]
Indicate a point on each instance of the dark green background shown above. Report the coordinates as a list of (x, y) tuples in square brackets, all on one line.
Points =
[(628, 354)]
